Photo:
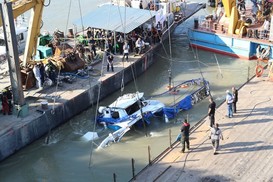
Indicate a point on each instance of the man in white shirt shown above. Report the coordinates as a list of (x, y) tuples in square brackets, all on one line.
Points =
[(215, 136), (229, 101), (37, 74), (126, 48), (139, 45)]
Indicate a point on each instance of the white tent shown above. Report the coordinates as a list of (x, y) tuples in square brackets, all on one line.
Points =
[(115, 18)]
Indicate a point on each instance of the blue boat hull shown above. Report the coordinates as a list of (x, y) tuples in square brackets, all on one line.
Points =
[(225, 44)]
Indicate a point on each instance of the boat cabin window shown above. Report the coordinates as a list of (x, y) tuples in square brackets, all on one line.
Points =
[(115, 115), (20, 37), (2, 42), (132, 109)]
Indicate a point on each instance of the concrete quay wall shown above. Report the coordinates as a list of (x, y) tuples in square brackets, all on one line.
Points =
[(23, 131)]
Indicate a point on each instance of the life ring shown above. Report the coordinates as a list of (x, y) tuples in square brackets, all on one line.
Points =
[(259, 70), (184, 86)]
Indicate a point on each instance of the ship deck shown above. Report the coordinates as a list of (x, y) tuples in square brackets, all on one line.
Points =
[(209, 24)]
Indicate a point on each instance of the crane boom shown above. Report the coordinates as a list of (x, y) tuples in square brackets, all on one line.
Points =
[(36, 6)]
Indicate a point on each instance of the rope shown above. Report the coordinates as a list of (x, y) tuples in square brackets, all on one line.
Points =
[(198, 61), (81, 15), (99, 91), (122, 80), (220, 71), (59, 71), (124, 39)]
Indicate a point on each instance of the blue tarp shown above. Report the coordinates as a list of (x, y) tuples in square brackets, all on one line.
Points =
[(170, 112), (184, 104)]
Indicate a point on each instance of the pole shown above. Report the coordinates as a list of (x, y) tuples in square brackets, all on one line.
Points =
[(133, 169), (149, 155), (115, 177), (248, 70), (12, 53), (115, 42), (170, 137), (170, 79)]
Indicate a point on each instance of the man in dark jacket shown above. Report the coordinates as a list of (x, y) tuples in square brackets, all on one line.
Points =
[(211, 111), (235, 98), (185, 135)]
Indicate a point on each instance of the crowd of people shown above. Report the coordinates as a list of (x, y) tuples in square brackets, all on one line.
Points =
[(135, 41), (45, 73)]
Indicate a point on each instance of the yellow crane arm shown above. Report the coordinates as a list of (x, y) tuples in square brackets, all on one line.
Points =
[(36, 6), (21, 6)]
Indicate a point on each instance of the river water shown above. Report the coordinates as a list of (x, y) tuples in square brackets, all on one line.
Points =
[(68, 157)]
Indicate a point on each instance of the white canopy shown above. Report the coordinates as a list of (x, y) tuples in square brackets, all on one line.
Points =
[(113, 18)]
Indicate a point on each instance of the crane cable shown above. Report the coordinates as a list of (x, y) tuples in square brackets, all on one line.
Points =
[(196, 56), (59, 71), (124, 39), (99, 92)]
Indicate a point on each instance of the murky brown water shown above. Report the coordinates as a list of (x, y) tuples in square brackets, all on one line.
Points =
[(67, 157)]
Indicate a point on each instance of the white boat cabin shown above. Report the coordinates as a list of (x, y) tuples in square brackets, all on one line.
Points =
[(21, 35), (124, 105)]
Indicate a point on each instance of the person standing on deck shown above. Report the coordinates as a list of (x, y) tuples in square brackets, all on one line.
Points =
[(120, 44), (5, 104), (265, 54), (185, 135), (215, 136), (140, 5), (159, 28), (50, 70), (219, 10), (92, 44), (258, 51), (150, 5), (229, 101), (37, 74), (265, 27), (211, 111), (241, 5), (235, 99), (89, 33), (126, 48), (110, 60), (42, 72), (9, 97), (139, 46)]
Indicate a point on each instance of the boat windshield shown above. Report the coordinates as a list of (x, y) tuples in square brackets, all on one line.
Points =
[(2, 42), (133, 108)]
